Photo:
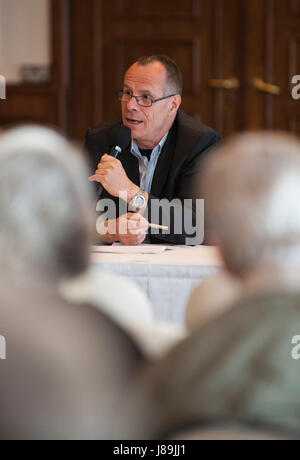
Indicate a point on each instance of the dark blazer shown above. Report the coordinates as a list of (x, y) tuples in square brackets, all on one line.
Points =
[(175, 173)]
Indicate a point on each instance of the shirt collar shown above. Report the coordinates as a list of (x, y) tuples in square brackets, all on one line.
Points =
[(136, 151)]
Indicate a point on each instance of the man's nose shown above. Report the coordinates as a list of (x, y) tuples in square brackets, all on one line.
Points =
[(132, 104)]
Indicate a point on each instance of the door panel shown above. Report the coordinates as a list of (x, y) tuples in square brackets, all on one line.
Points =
[(227, 73), (173, 28), (272, 58), (237, 58)]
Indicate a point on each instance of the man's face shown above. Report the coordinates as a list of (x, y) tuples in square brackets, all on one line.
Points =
[(148, 124)]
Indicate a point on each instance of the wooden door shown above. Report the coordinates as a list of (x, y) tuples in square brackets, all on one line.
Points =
[(226, 76), (237, 58), (273, 57), (174, 27), (202, 36)]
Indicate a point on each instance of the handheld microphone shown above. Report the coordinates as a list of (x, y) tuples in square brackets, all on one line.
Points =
[(119, 138)]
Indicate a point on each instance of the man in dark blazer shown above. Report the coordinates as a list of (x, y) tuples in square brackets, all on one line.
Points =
[(156, 173)]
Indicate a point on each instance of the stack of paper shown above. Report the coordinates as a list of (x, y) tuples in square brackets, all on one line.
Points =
[(118, 248)]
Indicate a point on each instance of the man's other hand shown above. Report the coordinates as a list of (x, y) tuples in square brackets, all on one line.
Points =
[(132, 229), (129, 229)]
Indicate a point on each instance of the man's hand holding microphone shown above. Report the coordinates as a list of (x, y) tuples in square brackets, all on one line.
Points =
[(131, 228)]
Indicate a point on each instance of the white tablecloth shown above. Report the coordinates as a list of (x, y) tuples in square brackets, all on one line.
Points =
[(167, 277)]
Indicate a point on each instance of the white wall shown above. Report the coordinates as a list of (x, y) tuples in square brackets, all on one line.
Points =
[(24, 35)]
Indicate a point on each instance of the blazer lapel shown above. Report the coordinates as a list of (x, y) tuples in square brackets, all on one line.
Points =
[(184, 143), (131, 165), (164, 161)]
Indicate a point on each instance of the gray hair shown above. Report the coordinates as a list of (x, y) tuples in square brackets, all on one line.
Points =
[(252, 199), (44, 203)]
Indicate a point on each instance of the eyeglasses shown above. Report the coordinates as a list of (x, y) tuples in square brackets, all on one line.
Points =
[(145, 100)]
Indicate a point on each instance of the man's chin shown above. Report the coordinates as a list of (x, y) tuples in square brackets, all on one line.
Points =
[(136, 131)]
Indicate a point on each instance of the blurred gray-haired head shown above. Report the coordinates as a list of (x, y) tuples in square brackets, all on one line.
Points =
[(252, 200), (44, 204)]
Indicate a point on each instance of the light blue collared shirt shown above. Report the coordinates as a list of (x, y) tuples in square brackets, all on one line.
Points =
[(146, 167)]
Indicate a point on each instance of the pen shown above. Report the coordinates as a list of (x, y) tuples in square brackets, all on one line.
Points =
[(161, 227)]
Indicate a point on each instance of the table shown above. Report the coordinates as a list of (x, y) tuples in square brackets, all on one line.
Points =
[(167, 276)]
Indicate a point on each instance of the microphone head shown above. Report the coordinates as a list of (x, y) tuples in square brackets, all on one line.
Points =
[(120, 135)]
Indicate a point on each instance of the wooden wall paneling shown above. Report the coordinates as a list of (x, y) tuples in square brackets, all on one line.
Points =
[(254, 63), (294, 124), (202, 105), (294, 57), (87, 66), (279, 59), (158, 9), (47, 103), (293, 106), (217, 21), (186, 52), (208, 39), (228, 45), (270, 58), (29, 105), (60, 59), (294, 6), (287, 42), (272, 55), (130, 31)]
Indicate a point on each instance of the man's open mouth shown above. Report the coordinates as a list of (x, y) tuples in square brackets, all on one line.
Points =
[(133, 122)]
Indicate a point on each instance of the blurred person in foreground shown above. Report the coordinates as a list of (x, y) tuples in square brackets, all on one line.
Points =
[(68, 366), (241, 369), (46, 227), (238, 243)]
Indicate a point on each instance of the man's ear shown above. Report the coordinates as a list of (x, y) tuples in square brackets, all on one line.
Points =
[(175, 103)]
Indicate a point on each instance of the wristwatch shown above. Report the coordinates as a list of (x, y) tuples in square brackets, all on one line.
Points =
[(138, 201)]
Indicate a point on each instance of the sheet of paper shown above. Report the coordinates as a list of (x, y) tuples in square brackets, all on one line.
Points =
[(118, 248)]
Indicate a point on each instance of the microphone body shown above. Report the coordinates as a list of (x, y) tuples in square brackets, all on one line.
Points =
[(119, 137), (114, 152)]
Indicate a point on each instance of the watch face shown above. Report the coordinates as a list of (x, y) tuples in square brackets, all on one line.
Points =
[(139, 201)]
